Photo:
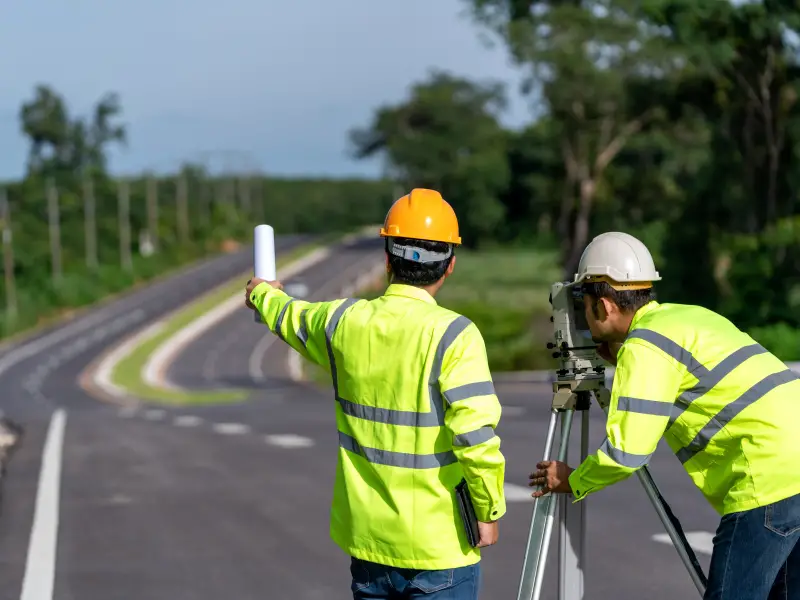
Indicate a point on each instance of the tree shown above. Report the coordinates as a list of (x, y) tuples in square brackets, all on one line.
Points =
[(585, 58), (60, 144), (446, 136), (45, 121)]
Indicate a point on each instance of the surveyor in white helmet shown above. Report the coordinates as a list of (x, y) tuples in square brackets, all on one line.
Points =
[(728, 409)]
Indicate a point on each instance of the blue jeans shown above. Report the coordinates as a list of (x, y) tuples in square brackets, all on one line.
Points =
[(757, 554), (374, 581)]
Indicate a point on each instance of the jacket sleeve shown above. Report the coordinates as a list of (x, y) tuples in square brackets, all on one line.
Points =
[(646, 385), (471, 415), (298, 323)]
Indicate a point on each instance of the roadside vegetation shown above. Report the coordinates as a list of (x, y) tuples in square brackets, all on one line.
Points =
[(675, 121)]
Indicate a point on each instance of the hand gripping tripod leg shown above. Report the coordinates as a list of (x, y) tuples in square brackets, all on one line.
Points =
[(569, 396)]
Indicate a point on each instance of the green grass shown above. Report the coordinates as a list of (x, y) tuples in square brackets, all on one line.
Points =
[(127, 373), (505, 293)]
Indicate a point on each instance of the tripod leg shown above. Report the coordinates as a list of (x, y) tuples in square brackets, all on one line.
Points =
[(674, 530), (572, 538), (542, 521)]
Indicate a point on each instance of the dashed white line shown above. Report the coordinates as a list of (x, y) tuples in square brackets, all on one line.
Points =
[(187, 421), (41, 561), (701, 541), (154, 414), (513, 411), (518, 493), (231, 428), (128, 411), (289, 440)]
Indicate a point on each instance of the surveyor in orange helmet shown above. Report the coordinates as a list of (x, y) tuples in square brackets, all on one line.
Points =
[(419, 484)]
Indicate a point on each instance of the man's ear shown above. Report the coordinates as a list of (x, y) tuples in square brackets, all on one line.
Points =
[(606, 308), (450, 267)]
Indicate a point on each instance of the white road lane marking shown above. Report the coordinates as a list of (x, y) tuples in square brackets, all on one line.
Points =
[(700, 541), (128, 411), (517, 493), (104, 371), (513, 411), (187, 421), (40, 565), (289, 440), (154, 414), (231, 428), (256, 363)]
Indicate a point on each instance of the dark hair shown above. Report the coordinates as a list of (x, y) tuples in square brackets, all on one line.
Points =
[(414, 273), (628, 300)]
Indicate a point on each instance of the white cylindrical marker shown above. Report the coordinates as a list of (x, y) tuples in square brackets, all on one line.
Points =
[(264, 256)]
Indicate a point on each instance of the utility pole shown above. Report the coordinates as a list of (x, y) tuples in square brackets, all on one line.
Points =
[(258, 200), (204, 201), (55, 230), (8, 258), (244, 196), (124, 196), (182, 209), (90, 223), (152, 210)]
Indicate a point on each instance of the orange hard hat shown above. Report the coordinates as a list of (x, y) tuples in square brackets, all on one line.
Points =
[(422, 214)]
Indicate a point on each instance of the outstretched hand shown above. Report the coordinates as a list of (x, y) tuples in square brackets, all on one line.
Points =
[(553, 476), (252, 284)]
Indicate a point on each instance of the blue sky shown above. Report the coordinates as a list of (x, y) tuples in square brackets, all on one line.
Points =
[(265, 84)]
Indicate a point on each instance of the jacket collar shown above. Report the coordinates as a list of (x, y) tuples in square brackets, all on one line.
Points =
[(652, 305), (409, 291)]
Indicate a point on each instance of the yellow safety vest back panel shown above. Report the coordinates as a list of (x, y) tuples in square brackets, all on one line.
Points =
[(727, 408), (416, 412)]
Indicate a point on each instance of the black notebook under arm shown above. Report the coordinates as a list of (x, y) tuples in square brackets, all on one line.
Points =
[(467, 513)]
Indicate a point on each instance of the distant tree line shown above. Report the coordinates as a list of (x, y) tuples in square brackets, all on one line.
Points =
[(675, 121), (73, 234)]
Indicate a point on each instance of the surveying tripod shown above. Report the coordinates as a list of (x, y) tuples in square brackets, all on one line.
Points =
[(571, 395)]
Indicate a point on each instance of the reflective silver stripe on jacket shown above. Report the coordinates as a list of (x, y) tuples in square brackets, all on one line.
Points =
[(433, 418), (706, 381)]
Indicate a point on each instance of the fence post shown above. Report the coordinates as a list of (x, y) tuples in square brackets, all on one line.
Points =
[(152, 210), (244, 197), (258, 200), (55, 230), (182, 208), (90, 223), (8, 257), (124, 197)]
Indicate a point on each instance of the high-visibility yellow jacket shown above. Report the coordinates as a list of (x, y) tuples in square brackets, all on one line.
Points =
[(727, 408), (416, 412)]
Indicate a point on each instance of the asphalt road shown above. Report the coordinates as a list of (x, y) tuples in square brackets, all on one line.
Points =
[(232, 501)]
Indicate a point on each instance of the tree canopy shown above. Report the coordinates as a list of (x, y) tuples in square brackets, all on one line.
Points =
[(674, 120)]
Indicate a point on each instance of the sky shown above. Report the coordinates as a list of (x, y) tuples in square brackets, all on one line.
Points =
[(249, 84)]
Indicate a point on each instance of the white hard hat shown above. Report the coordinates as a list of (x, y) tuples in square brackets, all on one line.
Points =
[(617, 258)]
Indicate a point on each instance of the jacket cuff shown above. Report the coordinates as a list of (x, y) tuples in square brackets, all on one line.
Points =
[(580, 489), (260, 296), (490, 512)]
